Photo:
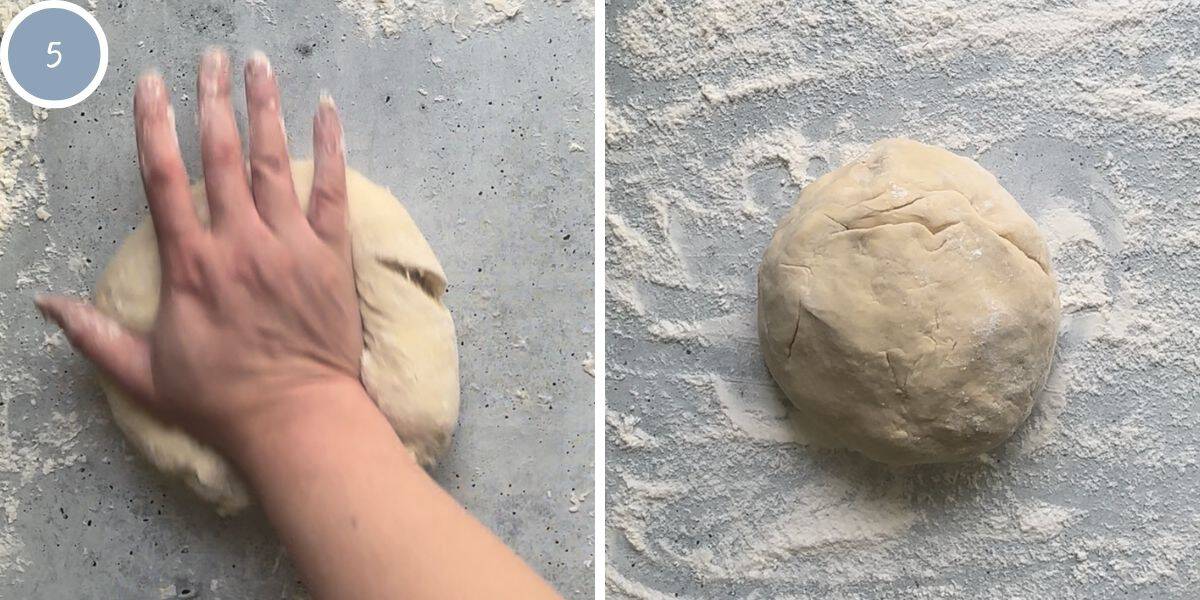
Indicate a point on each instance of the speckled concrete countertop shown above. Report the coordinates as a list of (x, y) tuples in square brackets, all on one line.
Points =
[(479, 120), (718, 113)]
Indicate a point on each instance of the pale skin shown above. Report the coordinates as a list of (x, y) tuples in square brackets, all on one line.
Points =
[(256, 351)]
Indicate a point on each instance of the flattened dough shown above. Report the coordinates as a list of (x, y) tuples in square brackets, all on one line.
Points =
[(410, 356), (907, 308)]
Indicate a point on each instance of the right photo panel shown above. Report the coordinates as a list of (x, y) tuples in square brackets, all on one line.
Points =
[(901, 299)]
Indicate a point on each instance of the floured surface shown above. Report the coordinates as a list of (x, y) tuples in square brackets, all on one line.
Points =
[(718, 112), (477, 143), (393, 18), (22, 194)]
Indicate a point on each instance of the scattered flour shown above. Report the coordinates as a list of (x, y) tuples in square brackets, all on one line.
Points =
[(718, 113), (391, 18), (22, 182), (1044, 521), (626, 433), (45, 447), (618, 587), (575, 501), (650, 255)]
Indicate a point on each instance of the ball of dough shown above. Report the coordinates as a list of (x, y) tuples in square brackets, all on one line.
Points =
[(410, 357), (907, 308)]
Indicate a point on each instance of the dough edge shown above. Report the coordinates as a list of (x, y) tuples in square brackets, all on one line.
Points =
[(856, 184)]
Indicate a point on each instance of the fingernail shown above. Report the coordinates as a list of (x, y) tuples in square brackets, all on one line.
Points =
[(214, 57), (42, 302), (326, 100), (149, 97), (327, 118), (258, 65), (212, 70), (326, 108), (150, 88)]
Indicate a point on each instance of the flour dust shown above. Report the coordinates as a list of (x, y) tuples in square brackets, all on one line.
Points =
[(718, 112), (391, 18), (24, 452)]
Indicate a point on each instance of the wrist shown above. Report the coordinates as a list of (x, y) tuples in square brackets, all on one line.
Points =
[(301, 419)]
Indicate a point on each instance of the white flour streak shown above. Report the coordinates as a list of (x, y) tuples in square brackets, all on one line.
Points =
[(391, 18)]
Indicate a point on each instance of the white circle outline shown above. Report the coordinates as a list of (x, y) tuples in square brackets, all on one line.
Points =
[(38, 7)]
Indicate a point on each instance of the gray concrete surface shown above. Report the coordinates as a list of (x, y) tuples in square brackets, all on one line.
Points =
[(484, 163), (719, 113)]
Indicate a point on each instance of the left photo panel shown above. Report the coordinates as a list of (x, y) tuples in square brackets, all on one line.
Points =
[(297, 299)]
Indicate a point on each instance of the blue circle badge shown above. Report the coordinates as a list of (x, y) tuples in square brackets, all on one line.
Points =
[(54, 54)]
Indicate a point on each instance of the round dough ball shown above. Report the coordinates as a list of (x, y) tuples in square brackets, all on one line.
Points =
[(410, 357), (907, 308)]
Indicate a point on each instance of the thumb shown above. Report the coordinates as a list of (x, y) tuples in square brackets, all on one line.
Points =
[(121, 354)]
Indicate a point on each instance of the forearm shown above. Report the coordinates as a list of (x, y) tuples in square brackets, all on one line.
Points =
[(361, 519)]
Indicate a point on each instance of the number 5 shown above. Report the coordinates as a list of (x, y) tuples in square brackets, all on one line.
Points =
[(57, 53)]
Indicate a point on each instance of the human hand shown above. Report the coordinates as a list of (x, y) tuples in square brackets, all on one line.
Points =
[(256, 310), (255, 350)]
